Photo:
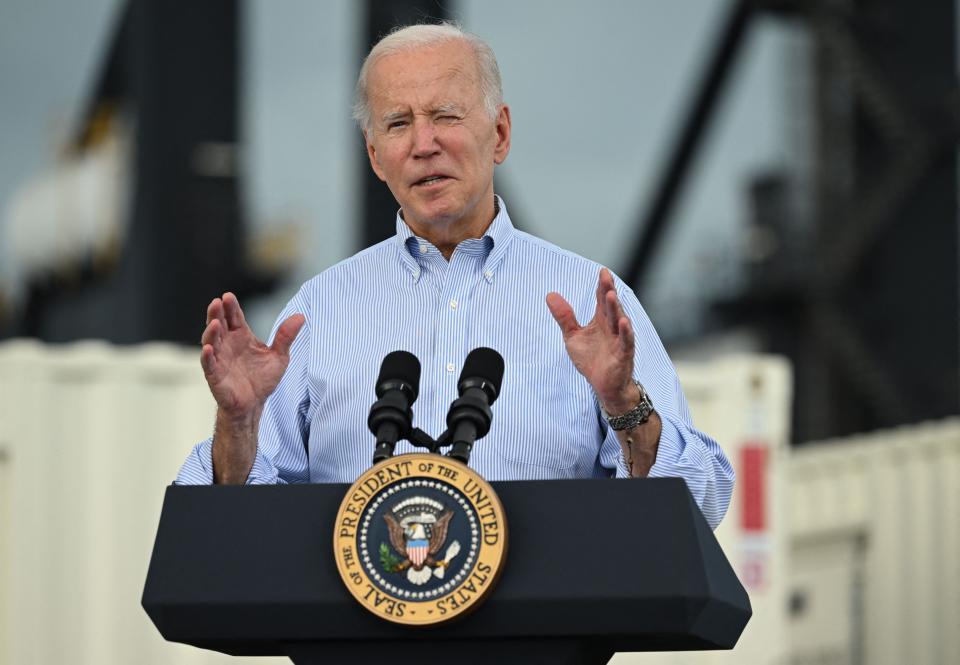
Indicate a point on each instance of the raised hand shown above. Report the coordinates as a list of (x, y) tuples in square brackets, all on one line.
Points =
[(602, 350), (241, 371)]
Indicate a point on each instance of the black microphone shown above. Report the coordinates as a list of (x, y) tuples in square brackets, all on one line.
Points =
[(391, 416), (469, 416)]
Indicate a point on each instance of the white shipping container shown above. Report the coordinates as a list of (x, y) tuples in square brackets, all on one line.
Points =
[(743, 401), (875, 548), (93, 434), (850, 549)]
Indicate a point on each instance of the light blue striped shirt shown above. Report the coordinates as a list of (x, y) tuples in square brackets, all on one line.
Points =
[(402, 294)]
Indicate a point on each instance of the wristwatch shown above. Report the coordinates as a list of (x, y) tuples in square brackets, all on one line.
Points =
[(638, 415)]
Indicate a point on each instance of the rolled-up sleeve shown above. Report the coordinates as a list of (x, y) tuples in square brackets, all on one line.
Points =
[(198, 468), (687, 453), (683, 451)]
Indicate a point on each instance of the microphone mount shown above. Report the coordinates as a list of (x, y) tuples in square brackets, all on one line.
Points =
[(468, 419)]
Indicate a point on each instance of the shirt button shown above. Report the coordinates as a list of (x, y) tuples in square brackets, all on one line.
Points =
[(449, 367), (423, 249), (453, 304), (488, 274)]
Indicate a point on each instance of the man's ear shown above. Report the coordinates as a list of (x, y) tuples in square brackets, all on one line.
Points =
[(372, 154), (502, 147)]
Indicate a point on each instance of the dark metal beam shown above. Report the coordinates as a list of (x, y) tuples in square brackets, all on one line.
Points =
[(176, 67), (378, 205), (688, 141)]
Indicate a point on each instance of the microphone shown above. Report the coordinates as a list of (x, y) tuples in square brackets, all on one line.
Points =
[(469, 416), (391, 416)]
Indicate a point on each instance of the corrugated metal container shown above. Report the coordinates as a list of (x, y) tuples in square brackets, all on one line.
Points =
[(744, 403), (93, 434), (875, 548)]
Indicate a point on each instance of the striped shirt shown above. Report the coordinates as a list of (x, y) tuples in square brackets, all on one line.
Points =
[(403, 294)]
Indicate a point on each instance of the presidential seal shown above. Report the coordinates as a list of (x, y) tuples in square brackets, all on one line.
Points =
[(420, 539)]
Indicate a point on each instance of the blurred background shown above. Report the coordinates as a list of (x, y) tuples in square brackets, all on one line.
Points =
[(776, 179)]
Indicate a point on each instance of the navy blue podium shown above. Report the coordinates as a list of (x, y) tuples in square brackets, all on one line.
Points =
[(594, 567)]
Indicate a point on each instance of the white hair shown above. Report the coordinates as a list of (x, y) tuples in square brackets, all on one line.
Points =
[(417, 36)]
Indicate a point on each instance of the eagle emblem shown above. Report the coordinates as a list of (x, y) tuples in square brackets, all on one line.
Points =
[(418, 531)]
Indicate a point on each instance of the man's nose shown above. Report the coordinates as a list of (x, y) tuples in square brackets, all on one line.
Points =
[(424, 138)]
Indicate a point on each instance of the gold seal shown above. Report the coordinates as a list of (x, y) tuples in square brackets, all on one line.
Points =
[(420, 539)]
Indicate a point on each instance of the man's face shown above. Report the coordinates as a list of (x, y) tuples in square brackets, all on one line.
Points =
[(431, 139)]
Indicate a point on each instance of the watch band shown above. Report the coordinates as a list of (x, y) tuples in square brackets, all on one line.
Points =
[(636, 416)]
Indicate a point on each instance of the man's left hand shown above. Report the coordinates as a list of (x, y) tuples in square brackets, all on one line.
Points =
[(602, 351)]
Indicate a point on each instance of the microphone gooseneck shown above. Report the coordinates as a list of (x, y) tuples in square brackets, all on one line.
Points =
[(470, 416), (391, 417)]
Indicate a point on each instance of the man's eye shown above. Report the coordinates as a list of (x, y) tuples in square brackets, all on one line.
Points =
[(396, 124)]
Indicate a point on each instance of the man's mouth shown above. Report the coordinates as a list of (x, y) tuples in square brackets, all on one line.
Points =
[(431, 180)]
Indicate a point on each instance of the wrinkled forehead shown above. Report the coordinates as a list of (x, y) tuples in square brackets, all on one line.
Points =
[(439, 74)]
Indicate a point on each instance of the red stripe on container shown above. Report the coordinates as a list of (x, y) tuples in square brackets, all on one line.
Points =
[(752, 481)]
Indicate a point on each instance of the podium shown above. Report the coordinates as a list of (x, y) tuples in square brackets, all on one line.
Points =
[(593, 567)]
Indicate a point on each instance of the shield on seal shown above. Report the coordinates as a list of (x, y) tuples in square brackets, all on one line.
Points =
[(417, 550)]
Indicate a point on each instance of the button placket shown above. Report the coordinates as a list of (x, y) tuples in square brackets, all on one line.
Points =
[(452, 324)]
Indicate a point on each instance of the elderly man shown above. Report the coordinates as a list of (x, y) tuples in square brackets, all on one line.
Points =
[(593, 400)]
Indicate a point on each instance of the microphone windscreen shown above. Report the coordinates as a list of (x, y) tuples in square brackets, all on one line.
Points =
[(483, 363), (400, 366)]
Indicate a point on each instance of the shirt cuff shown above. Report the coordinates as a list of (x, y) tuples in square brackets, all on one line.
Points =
[(676, 459), (684, 453), (670, 450), (198, 469)]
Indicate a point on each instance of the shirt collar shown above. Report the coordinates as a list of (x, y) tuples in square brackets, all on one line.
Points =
[(493, 245)]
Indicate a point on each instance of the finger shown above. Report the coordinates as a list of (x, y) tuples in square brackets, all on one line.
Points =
[(232, 311), (606, 278), (605, 287), (212, 334), (208, 360), (562, 313), (601, 293), (627, 340), (612, 312), (214, 310), (286, 333), (605, 281)]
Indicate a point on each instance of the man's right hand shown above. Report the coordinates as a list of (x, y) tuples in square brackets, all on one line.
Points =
[(241, 372)]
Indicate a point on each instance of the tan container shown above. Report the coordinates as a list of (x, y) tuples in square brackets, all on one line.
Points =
[(875, 548), (93, 435)]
